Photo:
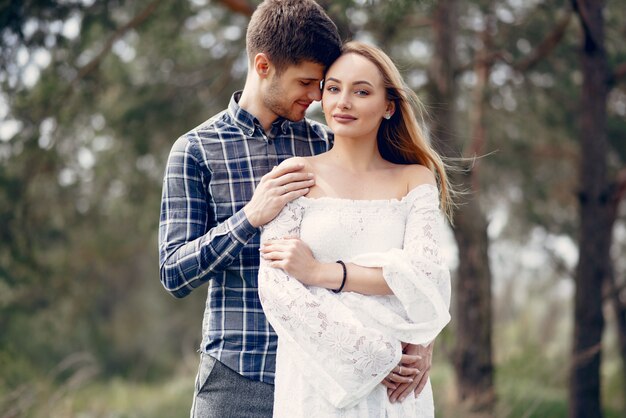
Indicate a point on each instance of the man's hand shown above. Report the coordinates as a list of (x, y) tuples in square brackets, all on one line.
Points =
[(423, 363), (277, 188), (401, 374)]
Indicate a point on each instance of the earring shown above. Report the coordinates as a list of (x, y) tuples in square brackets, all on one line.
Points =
[(387, 115)]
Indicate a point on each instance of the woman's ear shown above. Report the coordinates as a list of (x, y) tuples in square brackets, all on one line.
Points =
[(389, 111), (262, 65)]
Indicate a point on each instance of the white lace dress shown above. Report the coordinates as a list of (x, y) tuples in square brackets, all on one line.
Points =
[(335, 349)]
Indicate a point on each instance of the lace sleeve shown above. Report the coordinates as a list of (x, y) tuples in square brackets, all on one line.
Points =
[(340, 357), (416, 274), (422, 243)]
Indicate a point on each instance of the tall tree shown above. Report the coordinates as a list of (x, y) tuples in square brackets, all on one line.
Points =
[(613, 289), (473, 353), (595, 233)]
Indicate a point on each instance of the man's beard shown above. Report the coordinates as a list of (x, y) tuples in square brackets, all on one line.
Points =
[(275, 101)]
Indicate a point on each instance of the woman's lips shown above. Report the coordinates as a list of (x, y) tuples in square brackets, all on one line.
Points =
[(342, 117)]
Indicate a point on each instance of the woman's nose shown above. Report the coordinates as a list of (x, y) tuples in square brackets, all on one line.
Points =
[(344, 102)]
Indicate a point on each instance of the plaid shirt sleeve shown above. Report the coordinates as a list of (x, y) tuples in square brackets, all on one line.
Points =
[(191, 250)]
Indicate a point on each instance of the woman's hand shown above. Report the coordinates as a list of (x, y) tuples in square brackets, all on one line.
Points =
[(401, 374), (424, 356), (294, 257)]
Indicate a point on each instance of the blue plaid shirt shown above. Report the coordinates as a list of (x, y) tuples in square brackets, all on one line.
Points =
[(204, 235)]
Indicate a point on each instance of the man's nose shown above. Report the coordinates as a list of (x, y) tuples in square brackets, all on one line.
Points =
[(315, 94)]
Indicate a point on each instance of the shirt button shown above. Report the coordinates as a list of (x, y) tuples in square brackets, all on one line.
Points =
[(250, 133)]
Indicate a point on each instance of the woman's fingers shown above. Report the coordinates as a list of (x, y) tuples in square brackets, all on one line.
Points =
[(274, 256), (420, 385), (405, 371), (389, 385), (396, 378), (279, 248), (404, 393), (409, 359), (402, 374), (274, 246)]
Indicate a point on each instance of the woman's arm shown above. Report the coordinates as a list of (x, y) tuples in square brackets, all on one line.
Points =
[(341, 357), (294, 257)]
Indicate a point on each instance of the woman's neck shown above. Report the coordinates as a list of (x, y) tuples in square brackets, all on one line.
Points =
[(356, 155)]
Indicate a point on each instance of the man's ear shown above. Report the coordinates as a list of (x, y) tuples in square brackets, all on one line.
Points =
[(262, 65)]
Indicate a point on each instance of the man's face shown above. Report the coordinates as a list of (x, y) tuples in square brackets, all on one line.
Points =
[(289, 94)]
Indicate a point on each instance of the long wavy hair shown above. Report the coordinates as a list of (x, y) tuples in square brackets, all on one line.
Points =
[(401, 139)]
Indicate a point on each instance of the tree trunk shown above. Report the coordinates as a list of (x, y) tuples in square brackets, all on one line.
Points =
[(619, 310), (473, 352), (595, 236), (615, 289)]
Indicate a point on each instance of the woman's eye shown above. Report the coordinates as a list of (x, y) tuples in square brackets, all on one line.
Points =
[(332, 89), (362, 93)]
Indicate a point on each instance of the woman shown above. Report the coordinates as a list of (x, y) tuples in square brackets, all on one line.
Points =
[(352, 270)]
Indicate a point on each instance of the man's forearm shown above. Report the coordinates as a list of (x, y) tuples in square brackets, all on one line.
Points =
[(194, 261)]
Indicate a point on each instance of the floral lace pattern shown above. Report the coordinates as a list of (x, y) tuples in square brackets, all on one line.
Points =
[(334, 349)]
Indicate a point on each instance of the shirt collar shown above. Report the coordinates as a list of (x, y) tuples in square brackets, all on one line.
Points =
[(246, 121)]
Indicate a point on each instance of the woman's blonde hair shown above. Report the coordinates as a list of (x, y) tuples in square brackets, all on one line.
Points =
[(401, 139)]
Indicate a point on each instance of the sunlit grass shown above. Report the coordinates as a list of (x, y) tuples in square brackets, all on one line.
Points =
[(119, 399), (526, 387)]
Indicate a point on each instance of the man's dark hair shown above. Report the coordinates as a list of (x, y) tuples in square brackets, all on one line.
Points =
[(292, 31)]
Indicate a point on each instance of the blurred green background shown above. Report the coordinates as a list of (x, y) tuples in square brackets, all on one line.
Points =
[(95, 92)]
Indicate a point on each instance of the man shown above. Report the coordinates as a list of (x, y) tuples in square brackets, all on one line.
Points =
[(220, 186)]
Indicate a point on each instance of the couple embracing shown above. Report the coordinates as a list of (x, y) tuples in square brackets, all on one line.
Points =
[(320, 244)]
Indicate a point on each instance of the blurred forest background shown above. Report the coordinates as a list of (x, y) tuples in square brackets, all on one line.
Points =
[(95, 92)]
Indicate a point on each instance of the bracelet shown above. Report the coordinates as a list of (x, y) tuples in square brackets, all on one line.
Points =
[(345, 276)]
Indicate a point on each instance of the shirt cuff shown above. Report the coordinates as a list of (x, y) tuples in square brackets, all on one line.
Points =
[(241, 228)]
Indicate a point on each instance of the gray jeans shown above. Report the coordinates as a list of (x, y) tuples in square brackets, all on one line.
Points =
[(223, 393)]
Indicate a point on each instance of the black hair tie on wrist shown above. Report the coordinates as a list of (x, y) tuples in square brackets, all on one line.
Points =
[(345, 276)]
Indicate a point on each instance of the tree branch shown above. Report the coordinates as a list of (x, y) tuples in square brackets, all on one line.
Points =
[(121, 31), (239, 6), (581, 8), (542, 50), (414, 21), (545, 46)]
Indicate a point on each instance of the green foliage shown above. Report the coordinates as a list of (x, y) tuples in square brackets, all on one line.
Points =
[(80, 188), (80, 185)]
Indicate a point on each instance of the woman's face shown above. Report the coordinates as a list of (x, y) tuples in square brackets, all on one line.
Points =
[(354, 97)]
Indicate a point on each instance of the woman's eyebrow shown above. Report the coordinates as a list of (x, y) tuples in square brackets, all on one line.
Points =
[(354, 83)]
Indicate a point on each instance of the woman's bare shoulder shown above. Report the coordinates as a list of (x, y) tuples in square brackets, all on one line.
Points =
[(307, 162), (417, 174)]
